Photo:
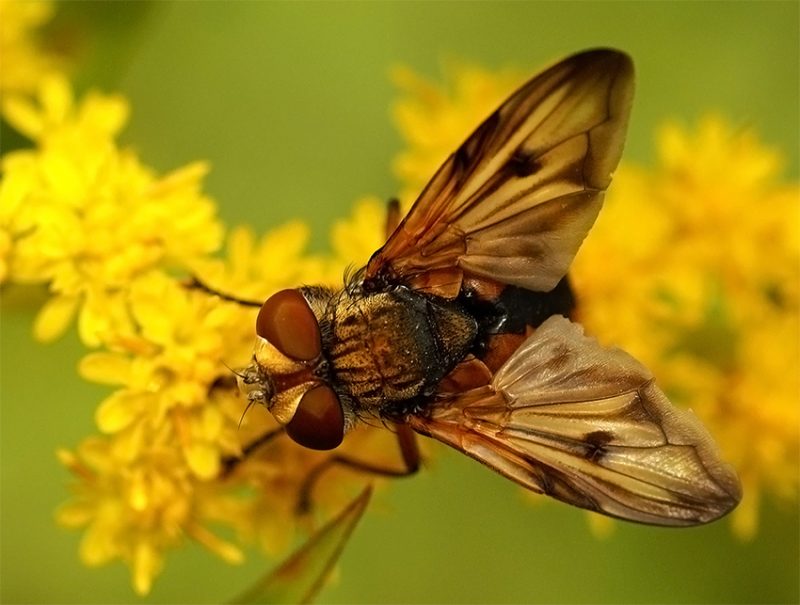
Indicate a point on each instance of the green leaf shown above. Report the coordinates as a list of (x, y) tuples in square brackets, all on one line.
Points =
[(299, 578)]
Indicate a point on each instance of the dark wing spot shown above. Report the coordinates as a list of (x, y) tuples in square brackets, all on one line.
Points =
[(560, 486), (596, 442), (521, 164), (461, 160), (472, 151)]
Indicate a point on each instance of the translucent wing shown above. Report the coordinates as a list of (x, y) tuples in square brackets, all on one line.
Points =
[(587, 425), (515, 201)]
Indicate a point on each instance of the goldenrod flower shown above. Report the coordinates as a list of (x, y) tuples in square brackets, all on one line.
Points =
[(163, 469), (135, 509), (23, 58), (167, 366), (693, 267), (87, 218), (106, 234), (152, 479)]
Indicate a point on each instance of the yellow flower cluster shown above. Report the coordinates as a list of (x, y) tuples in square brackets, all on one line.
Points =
[(699, 278), (693, 267), (108, 236), (87, 218), (101, 230)]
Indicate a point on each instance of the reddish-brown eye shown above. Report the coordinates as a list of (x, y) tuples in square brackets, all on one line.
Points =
[(318, 423), (286, 321)]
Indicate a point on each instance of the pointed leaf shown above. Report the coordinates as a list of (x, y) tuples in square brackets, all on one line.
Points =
[(299, 578)]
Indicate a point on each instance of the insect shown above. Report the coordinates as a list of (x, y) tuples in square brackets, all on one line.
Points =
[(457, 328)]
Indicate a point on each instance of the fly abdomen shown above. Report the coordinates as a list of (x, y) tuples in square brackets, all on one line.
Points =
[(515, 309), (505, 318)]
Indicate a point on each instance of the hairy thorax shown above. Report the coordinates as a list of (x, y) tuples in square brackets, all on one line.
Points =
[(390, 348)]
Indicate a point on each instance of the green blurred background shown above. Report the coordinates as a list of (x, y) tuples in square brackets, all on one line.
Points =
[(290, 103)]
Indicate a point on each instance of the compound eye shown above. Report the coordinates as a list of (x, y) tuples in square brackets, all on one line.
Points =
[(288, 323), (318, 423)]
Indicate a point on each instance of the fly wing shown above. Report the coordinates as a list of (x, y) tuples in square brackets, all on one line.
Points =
[(515, 201), (587, 425)]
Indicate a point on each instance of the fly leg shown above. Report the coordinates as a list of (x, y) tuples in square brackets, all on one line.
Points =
[(409, 451), (230, 463), (193, 283), (406, 440)]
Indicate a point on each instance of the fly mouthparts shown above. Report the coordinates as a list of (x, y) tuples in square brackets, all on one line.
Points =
[(255, 384)]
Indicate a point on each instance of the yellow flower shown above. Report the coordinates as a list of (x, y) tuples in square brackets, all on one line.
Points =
[(107, 234), (25, 60), (152, 479), (87, 218), (167, 365), (694, 267), (135, 509), (163, 468)]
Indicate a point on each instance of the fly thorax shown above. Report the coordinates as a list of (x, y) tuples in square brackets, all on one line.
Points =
[(390, 347)]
